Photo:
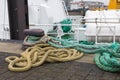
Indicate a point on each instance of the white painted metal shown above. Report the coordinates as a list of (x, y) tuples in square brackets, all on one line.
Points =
[(80, 34), (43, 12), (104, 25), (76, 19), (46, 12), (57, 10), (4, 23), (53, 9)]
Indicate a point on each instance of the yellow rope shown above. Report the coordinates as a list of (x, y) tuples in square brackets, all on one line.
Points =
[(40, 53)]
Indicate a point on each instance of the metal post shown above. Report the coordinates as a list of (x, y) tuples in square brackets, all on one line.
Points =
[(114, 34), (83, 5)]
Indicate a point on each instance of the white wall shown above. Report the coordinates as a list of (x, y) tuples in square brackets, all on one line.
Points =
[(4, 23), (45, 12), (40, 11), (56, 10)]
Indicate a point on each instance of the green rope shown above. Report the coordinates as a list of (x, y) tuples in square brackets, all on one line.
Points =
[(107, 56), (86, 42), (33, 38), (104, 65), (66, 28)]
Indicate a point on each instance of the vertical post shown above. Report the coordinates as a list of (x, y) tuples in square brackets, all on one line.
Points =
[(83, 8), (17, 18), (114, 34), (60, 32), (96, 36), (21, 13)]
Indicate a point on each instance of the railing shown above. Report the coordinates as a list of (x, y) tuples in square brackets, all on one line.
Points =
[(5, 31), (79, 31), (109, 23), (101, 20), (64, 6), (75, 28)]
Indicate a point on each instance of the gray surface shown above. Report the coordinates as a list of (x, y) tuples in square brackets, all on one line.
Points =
[(57, 71)]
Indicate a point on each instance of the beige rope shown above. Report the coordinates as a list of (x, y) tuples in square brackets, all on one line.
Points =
[(40, 53)]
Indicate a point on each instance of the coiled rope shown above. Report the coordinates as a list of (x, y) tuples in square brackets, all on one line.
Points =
[(107, 56), (40, 53), (107, 62)]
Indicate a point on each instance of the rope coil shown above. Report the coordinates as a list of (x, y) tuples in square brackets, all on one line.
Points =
[(40, 53), (107, 56)]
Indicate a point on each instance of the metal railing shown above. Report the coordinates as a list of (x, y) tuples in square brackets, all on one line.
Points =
[(104, 23), (60, 33)]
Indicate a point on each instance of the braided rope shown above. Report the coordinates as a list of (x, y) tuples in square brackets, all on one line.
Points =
[(39, 54), (107, 56)]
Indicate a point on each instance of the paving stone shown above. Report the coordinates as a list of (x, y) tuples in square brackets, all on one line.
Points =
[(57, 71), (118, 76)]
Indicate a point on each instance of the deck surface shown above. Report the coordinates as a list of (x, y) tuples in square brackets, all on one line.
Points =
[(82, 69)]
